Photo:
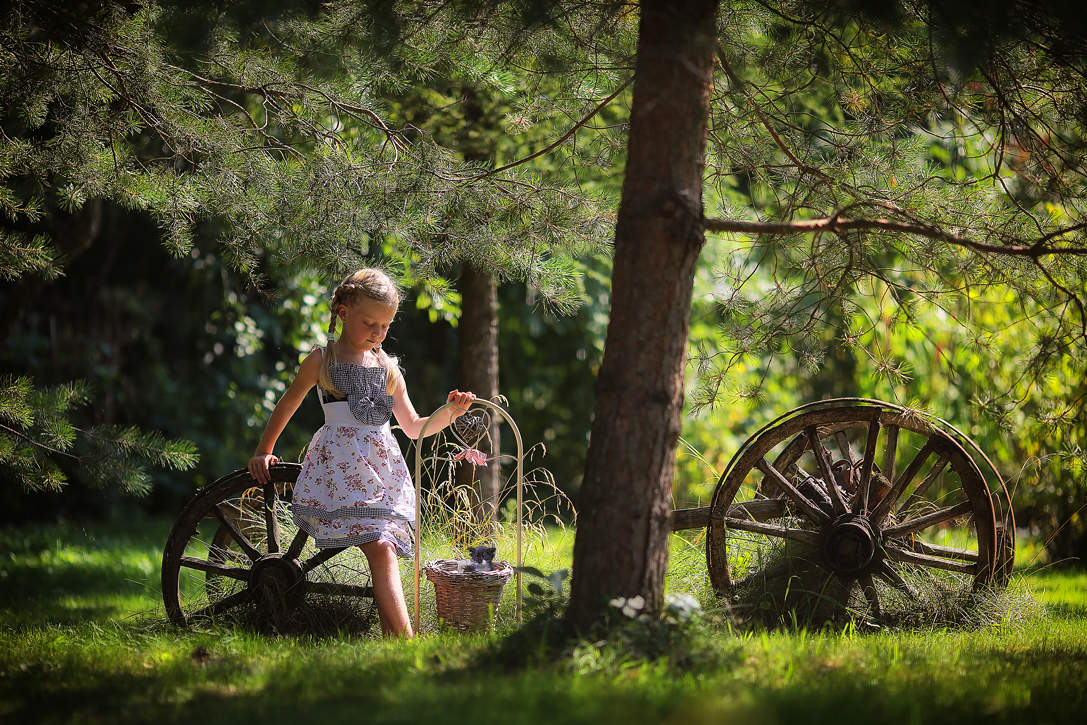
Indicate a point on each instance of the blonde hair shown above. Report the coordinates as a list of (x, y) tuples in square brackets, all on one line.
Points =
[(372, 284)]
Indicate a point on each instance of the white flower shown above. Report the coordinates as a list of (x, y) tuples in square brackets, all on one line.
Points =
[(633, 606), (682, 606), (630, 607)]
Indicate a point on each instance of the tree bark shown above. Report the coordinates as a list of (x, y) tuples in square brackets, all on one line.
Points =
[(479, 374), (624, 515)]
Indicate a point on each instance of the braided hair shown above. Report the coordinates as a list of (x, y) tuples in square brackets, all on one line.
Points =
[(372, 284)]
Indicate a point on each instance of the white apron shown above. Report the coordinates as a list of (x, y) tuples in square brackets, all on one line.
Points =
[(354, 486)]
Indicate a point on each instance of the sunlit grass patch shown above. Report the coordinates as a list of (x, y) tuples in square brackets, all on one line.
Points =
[(84, 637)]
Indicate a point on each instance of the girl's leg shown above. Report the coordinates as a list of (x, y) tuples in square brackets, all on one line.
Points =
[(385, 628), (388, 591)]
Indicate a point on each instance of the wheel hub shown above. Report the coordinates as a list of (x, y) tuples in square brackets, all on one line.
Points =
[(850, 544), (273, 582)]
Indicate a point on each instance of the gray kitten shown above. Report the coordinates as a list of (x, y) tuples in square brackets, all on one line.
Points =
[(482, 559)]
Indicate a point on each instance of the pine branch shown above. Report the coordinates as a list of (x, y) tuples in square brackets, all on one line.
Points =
[(736, 86), (131, 442), (15, 396), (21, 254), (838, 224), (108, 454), (38, 444), (559, 141)]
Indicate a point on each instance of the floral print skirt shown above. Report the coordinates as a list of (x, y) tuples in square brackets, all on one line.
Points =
[(354, 488)]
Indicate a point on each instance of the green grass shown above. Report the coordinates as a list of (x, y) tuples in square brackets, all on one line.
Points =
[(82, 638)]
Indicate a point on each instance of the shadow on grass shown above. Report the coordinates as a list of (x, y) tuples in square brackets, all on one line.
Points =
[(69, 593), (859, 700), (1036, 685), (36, 592), (291, 694), (29, 583), (68, 574), (44, 613)]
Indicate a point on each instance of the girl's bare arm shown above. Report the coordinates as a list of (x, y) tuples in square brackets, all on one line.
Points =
[(412, 423), (285, 408)]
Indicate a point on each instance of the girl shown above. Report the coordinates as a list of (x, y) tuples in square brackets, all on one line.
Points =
[(354, 488)]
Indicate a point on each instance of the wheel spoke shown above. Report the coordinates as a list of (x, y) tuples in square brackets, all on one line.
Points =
[(889, 452), (868, 586), (910, 557), (860, 503), (222, 605), (352, 590), (820, 454), (239, 537), (781, 532), (814, 512), (886, 571), (271, 523), (884, 506), (320, 558), (297, 544), (912, 481), (843, 446), (213, 568), (762, 509), (923, 522), (947, 552), (918, 492)]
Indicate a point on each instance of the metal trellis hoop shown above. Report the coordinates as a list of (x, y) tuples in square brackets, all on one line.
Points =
[(418, 497)]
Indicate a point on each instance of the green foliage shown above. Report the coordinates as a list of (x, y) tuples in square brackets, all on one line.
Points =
[(269, 144), (37, 436), (265, 142), (291, 156), (823, 114), (677, 639), (22, 254)]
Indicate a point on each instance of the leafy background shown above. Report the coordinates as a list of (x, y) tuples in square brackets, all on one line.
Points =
[(151, 253)]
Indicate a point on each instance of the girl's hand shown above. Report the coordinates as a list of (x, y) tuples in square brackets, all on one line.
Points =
[(461, 403), (259, 465)]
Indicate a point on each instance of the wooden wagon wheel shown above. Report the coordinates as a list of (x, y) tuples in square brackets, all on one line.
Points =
[(906, 505), (234, 546)]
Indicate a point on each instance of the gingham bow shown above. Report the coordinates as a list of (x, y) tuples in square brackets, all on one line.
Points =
[(365, 390)]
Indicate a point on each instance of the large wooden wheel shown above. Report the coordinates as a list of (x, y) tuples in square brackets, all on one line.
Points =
[(871, 502), (234, 546)]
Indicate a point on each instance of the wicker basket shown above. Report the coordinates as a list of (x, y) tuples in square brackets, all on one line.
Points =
[(467, 600)]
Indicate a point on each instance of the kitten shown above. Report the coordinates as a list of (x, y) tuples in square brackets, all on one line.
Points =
[(482, 559)]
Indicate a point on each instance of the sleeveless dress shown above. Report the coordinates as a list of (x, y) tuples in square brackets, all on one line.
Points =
[(354, 486)]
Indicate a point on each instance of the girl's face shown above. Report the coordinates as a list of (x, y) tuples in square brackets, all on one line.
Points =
[(366, 322)]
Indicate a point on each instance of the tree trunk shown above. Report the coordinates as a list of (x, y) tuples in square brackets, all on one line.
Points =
[(624, 515), (479, 374)]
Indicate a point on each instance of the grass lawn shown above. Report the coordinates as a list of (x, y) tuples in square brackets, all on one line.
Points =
[(83, 638)]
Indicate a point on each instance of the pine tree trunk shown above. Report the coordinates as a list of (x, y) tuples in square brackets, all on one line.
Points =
[(479, 374), (624, 516)]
